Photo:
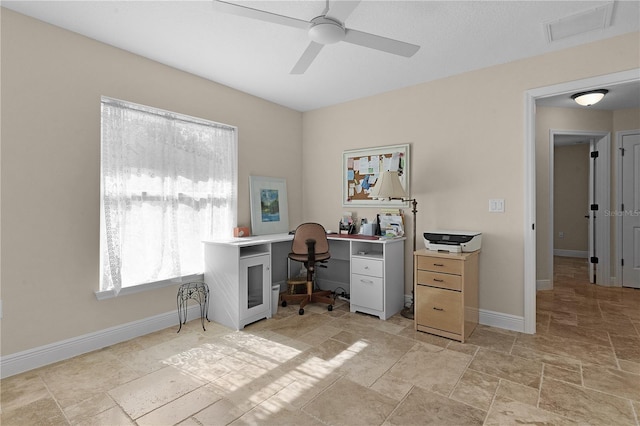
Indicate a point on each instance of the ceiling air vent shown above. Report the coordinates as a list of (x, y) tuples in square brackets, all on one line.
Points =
[(580, 23)]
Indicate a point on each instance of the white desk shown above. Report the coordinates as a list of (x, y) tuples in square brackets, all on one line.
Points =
[(240, 273)]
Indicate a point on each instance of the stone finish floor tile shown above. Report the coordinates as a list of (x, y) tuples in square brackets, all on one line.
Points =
[(490, 339), (569, 376), (141, 396), (517, 392), (583, 367), (612, 381), (505, 411), (422, 407), (509, 367), (431, 367), (476, 389), (585, 405), (347, 403)]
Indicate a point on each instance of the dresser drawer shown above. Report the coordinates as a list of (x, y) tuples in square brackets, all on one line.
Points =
[(367, 291), (438, 308), (364, 266), (438, 264), (437, 279)]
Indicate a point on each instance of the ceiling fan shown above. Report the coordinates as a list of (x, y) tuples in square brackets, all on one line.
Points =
[(328, 28)]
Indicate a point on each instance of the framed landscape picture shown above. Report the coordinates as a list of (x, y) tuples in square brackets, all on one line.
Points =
[(269, 208)]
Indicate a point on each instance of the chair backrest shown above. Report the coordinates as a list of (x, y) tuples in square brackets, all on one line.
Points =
[(308, 231)]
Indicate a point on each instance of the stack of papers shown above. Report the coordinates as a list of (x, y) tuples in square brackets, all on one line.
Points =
[(391, 223)]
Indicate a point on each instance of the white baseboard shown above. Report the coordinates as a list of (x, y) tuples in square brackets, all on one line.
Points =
[(544, 285), (491, 318), (571, 253), (20, 362), (500, 320), (44, 355)]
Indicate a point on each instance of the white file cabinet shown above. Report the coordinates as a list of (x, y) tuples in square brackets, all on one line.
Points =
[(367, 282), (377, 277)]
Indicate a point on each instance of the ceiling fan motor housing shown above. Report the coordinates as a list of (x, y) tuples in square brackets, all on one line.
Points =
[(326, 30)]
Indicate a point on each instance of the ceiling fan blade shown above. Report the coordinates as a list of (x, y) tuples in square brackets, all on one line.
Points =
[(261, 15), (307, 58), (341, 9), (384, 44)]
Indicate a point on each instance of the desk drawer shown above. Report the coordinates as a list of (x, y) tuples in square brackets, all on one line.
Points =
[(438, 264), (439, 308), (364, 266), (436, 279), (367, 291)]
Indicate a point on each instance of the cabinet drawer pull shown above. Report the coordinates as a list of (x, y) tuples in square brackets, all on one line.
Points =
[(366, 281), (437, 309), (438, 264), (438, 280)]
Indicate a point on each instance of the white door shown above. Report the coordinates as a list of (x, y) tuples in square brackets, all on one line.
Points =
[(630, 214), (255, 288), (599, 200)]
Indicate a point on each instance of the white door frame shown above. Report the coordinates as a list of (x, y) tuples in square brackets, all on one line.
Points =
[(530, 175), (603, 177), (619, 136)]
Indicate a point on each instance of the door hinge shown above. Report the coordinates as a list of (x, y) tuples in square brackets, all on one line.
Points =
[(594, 259), (533, 226), (594, 207), (621, 262), (594, 154)]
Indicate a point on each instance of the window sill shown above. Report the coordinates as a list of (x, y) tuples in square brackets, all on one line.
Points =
[(110, 294)]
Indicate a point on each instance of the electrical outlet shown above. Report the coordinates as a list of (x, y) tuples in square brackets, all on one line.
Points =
[(560, 234), (496, 205)]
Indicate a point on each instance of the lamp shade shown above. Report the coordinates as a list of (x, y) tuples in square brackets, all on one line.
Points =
[(589, 98), (388, 186)]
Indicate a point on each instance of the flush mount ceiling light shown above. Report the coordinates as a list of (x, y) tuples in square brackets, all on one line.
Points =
[(589, 98)]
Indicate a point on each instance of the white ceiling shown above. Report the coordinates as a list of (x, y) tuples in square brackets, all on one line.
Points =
[(256, 57)]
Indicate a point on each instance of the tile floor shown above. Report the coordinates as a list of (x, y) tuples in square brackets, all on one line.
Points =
[(338, 368)]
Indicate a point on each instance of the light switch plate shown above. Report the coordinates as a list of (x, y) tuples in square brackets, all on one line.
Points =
[(496, 205)]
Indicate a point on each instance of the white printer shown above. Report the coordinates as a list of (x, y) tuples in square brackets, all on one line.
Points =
[(452, 241)]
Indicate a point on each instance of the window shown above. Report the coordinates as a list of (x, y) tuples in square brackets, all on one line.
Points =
[(169, 181)]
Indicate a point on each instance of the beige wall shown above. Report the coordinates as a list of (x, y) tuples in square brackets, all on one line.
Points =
[(571, 197), (52, 81), (572, 119), (626, 119), (467, 146), (467, 136)]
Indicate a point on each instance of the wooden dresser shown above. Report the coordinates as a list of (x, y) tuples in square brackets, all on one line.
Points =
[(446, 293)]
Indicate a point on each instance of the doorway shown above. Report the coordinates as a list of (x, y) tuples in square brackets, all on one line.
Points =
[(579, 207), (529, 229)]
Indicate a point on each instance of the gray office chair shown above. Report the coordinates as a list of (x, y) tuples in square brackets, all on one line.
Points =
[(310, 246)]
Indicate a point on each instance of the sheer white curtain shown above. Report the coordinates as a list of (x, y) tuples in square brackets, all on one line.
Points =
[(168, 182)]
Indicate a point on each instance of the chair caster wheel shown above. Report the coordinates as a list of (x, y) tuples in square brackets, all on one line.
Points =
[(330, 308), (284, 303), (301, 311)]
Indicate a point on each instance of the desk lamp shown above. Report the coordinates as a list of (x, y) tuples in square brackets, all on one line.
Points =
[(389, 187)]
